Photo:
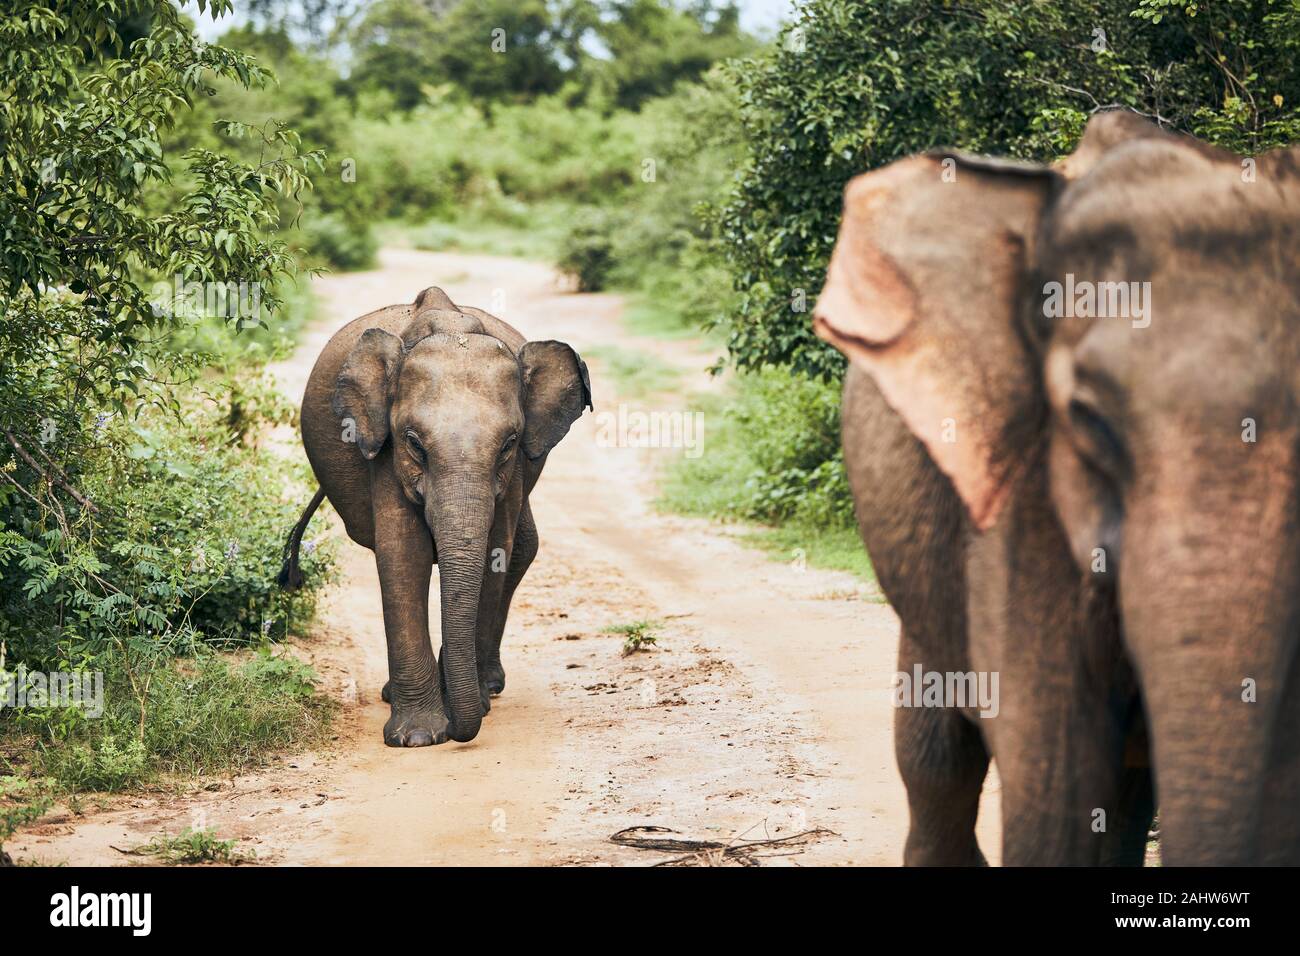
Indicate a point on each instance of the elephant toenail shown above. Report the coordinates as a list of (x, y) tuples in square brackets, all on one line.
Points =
[(419, 738)]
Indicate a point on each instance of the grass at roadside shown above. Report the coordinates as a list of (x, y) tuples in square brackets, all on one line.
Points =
[(692, 490), (195, 846), (733, 481), (657, 317), (170, 723), (834, 549)]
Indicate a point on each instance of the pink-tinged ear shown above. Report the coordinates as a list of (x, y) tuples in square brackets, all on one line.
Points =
[(923, 291)]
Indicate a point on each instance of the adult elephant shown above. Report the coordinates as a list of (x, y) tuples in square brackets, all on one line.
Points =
[(427, 427), (1087, 487)]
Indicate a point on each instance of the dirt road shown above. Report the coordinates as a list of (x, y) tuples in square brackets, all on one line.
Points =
[(764, 709)]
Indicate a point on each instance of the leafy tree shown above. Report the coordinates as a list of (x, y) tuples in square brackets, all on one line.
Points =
[(653, 45), (310, 97), (312, 21), (395, 47), (1243, 71), (490, 49), (89, 337), (855, 84), (502, 49), (82, 141), (623, 51)]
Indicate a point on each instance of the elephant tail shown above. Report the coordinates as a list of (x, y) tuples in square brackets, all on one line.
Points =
[(290, 577)]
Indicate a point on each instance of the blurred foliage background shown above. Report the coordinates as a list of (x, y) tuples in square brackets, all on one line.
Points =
[(654, 148), (646, 146)]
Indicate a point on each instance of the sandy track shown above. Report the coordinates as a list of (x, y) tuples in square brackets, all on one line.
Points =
[(765, 708)]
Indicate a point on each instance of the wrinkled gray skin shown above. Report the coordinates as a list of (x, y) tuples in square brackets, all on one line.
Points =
[(1073, 436), (427, 427)]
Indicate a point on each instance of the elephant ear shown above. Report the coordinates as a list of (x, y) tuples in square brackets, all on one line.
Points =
[(922, 292), (556, 389), (362, 390)]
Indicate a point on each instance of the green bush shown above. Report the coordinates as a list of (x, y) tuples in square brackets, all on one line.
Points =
[(585, 251), (22, 801), (195, 846), (187, 539), (221, 511), (864, 82), (771, 454), (212, 341), (332, 239)]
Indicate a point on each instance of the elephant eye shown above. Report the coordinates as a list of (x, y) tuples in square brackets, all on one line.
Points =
[(1100, 444), (508, 447), (416, 448)]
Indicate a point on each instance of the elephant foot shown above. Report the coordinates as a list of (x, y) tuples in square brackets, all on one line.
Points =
[(492, 676), (485, 698), (415, 727), (947, 854)]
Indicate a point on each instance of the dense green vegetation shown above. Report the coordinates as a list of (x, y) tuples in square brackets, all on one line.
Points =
[(772, 456), (140, 528), (854, 84)]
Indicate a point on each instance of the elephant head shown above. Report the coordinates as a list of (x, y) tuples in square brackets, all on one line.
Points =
[(1129, 321), (463, 416)]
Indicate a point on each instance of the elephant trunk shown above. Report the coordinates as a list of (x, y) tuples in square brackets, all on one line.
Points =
[(1211, 624), (1210, 743), (1213, 723), (461, 520)]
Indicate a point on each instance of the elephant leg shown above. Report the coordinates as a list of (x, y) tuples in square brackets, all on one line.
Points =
[(943, 762), (404, 558), (493, 623), (1125, 840), (911, 522)]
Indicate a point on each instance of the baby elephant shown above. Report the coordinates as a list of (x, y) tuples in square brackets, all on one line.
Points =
[(427, 427)]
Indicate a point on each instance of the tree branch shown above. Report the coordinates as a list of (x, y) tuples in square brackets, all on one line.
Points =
[(60, 479)]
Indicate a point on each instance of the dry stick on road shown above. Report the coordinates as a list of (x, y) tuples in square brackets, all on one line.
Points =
[(706, 852)]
